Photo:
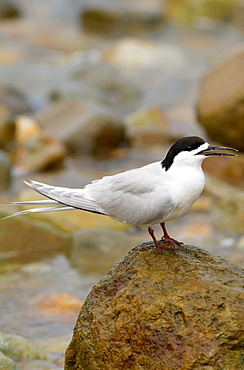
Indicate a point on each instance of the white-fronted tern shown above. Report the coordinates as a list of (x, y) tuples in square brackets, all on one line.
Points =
[(145, 196)]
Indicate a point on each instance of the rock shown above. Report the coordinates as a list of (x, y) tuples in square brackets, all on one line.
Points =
[(96, 250), (5, 170), (131, 52), (38, 240), (12, 102), (18, 348), (182, 309), (36, 151), (121, 17), (83, 128), (26, 129), (220, 107), (7, 127), (147, 127), (8, 9), (40, 154), (6, 363), (187, 11)]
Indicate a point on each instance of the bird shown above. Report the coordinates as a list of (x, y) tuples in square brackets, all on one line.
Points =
[(153, 194)]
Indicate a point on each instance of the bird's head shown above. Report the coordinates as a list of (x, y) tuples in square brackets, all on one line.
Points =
[(192, 150)]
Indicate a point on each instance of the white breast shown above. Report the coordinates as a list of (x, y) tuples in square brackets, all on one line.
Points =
[(187, 184)]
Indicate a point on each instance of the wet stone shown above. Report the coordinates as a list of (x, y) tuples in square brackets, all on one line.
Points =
[(182, 307)]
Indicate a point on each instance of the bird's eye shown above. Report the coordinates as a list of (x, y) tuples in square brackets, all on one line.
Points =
[(189, 147)]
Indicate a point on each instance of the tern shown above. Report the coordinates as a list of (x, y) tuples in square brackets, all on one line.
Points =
[(153, 194)]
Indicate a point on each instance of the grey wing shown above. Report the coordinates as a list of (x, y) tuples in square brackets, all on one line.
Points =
[(73, 198), (136, 197)]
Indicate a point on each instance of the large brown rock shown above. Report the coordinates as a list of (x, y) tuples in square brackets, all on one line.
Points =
[(182, 309), (220, 106)]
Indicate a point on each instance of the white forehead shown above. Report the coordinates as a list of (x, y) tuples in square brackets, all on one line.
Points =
[(201, 147), (185, 154)]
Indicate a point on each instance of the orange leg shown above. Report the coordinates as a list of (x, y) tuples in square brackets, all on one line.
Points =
[(166, 236), (159, 246)]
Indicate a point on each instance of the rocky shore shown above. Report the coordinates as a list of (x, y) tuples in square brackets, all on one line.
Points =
[(91, 88)]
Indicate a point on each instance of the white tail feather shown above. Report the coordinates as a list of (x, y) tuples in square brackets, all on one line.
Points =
[(36, 202), (39, 210)]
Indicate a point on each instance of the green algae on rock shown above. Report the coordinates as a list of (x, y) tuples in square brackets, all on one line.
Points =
[(182, 309)]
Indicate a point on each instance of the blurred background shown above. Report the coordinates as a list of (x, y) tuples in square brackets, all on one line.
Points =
[(90, 88)]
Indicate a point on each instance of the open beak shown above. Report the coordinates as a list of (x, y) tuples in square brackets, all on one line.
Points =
[(217, 150)]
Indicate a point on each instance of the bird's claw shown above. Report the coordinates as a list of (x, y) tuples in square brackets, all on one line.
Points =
[(165, 244), (169, 239)]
